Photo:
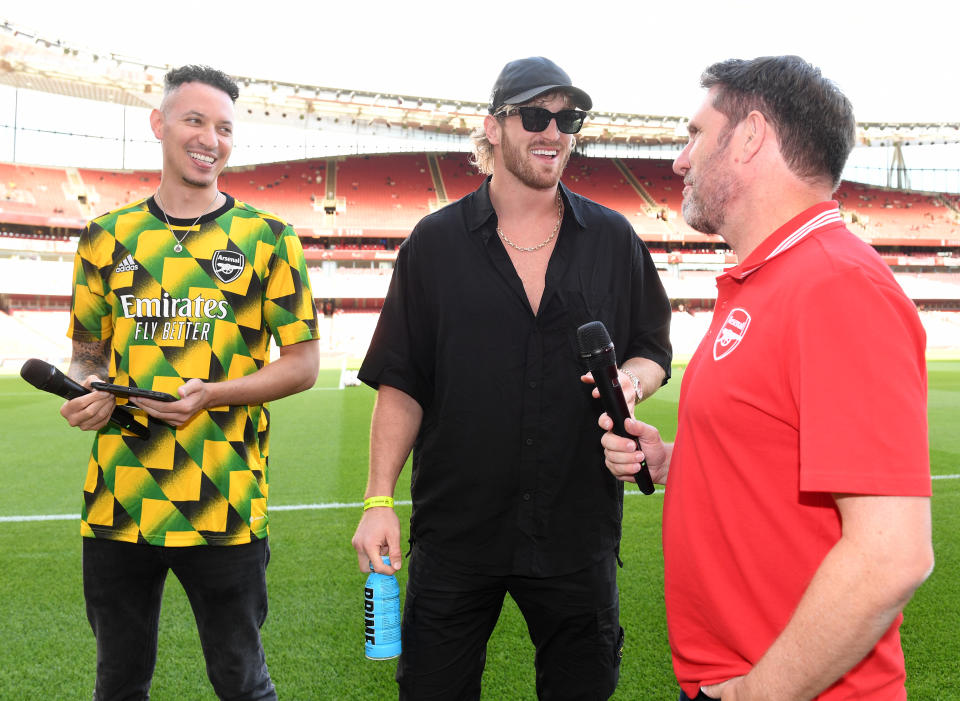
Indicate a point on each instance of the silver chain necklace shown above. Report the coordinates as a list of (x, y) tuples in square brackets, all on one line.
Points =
[(528, 249), (163, 210)]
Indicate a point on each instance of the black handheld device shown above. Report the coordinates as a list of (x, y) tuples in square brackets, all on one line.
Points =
[(46, 377), (125, 391), (597, 350)]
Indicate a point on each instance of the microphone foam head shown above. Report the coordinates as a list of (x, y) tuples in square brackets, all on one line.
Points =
[(37, 372), (592, 338)]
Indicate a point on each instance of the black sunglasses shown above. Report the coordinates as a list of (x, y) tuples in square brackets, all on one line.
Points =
[(538, 118)]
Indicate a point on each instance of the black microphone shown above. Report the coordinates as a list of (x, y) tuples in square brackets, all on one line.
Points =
[(46, 377), (596, 349)]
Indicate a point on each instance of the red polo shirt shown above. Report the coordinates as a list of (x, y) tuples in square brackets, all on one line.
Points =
[(811, 381)]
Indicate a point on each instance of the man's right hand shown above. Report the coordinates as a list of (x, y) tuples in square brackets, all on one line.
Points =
[(622, 457), (378, 534), (89, 412)]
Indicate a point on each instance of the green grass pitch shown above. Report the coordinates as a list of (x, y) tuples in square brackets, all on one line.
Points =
[(313, 635)]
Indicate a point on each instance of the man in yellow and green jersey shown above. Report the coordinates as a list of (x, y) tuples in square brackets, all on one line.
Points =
[(181, 293)]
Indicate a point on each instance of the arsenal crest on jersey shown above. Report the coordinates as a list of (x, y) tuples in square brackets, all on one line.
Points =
[(731, 333), (227, 265)]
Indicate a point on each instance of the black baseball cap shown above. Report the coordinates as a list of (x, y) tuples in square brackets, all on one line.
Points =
[(524, 79)]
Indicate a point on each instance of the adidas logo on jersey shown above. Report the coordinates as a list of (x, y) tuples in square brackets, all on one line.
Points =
[(127, 264)]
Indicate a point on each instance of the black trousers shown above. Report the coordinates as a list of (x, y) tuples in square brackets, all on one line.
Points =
[(573, 621), (227, 589)]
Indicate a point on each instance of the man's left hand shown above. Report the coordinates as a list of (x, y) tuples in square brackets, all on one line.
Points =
[(626, 386), (194, 398)]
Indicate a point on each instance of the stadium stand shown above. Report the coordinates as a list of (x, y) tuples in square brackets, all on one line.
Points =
[(392, 192), (389, 193), (293, 191), (459, 176), (36, 190), (883, 213), (106, 190), (352, 213), (600, 180), (665, 189)]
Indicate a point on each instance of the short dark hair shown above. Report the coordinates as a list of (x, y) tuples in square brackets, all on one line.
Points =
[(200, 74), (813, 120)]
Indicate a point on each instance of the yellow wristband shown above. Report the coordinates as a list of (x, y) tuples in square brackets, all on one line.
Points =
[(377, 501)]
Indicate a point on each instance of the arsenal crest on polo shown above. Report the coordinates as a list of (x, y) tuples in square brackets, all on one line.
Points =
[(731, 333), (227, 265)]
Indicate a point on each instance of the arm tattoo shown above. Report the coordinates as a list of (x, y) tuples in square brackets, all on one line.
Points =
[(90, 359)]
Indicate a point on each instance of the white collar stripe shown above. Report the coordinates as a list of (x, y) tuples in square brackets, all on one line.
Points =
[(821, 220), (817, 222)]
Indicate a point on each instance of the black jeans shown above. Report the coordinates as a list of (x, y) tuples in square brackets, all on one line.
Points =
[(699, 697), (448, 617), (227, 589)]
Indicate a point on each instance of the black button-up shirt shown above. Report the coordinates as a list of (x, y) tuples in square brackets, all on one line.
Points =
[(508, 473)]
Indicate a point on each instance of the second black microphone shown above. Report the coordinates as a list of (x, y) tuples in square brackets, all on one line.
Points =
[(597, 350)]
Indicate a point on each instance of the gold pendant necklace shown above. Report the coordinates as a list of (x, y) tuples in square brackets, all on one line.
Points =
[(528, 249), (163, 210)]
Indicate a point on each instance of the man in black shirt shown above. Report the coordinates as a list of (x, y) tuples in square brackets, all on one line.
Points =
[(475, 359)]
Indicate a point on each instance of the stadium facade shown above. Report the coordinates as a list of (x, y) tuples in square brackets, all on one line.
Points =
[(353, 171)]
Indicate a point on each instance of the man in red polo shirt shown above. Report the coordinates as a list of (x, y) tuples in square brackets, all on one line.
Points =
[(797, 516)]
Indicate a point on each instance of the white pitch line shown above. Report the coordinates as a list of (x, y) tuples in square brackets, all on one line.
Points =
[(315, 507), (47, 517)]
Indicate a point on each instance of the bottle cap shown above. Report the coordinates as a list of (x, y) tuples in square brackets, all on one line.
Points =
[(386, 561)]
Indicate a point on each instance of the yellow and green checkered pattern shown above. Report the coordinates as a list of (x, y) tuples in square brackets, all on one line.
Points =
[(206, 312)]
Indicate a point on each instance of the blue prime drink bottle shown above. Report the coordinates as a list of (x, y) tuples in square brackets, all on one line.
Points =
[(381, 615)]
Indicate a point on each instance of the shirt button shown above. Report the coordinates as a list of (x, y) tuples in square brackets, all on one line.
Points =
[(529, 441), (526, 496), (532, 384)]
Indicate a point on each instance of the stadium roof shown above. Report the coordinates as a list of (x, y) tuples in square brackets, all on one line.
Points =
[(36, 63)]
